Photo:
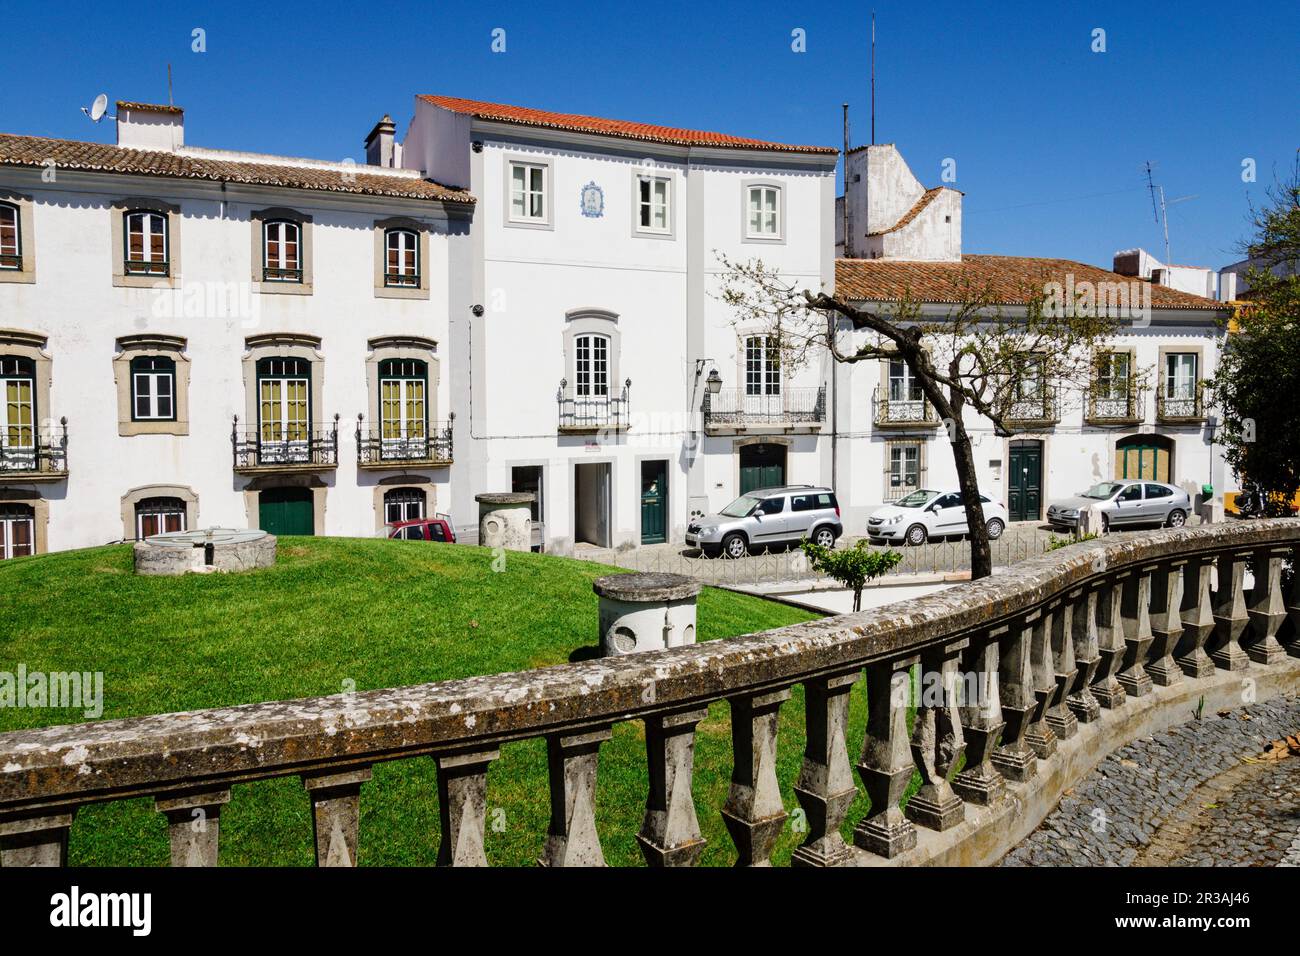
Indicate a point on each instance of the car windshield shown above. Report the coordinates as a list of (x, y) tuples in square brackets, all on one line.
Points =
[(1103, 490), (916, 499), (741, 507)]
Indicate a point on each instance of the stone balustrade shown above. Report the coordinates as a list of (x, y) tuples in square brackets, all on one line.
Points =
[(1026, 679)]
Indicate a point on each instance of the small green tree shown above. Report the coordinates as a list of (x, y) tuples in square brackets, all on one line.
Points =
[(853, 567)]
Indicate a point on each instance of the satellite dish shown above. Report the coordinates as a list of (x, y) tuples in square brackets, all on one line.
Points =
[(97, 108)]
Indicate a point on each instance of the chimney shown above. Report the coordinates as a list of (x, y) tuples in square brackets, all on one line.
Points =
[(379, 144), (150, 126)]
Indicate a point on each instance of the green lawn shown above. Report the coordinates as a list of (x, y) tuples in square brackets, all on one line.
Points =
[(378, 614)]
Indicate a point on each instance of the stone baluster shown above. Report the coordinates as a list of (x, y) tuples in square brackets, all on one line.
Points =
[(826, 789), (1197, 616), (1013, 757), (937, 743), (1267, 607), (336, 814), (886, 763), (462, 806), (670, 833), (35, 841), (1040, 736), (1087, 656), (1059, 715), (193, 825), (753, 813), (1166, 622), (981, 718), (1292, 643), (1230, 617), (572, 839), (1135, 613), (1110, 645)]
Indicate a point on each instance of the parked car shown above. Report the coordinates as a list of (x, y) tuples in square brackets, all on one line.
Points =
[(769, 516), (437, 528), (1124, 503), (926, 514)]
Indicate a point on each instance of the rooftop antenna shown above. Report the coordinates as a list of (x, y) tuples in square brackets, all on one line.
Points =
[(873, 77), (1161, 209), (98, 109), (169, 85)]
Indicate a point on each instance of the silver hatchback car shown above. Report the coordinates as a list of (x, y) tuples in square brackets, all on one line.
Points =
[(1124, 503), (768, 516)]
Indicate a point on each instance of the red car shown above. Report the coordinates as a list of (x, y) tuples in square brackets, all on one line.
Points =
[(423, 529)]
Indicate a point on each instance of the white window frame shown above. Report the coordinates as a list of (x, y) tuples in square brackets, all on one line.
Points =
[(778, 212), (641, 204), (544, 169), (408, 242), (594, 380), (762, 365), (895, 491), (282, 241), (152, 394), (1174, 361), (147, 219), (11, 209)]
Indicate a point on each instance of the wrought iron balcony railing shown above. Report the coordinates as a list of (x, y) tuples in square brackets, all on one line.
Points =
[(377, 450), (1027, 679), (1038, 410), (34, 453), (1114, 406), (277, 446), (593, 413), (1180, 407), (791, 407), (903, 412)]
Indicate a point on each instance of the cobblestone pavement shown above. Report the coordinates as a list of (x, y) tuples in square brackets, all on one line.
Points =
[(1184, 797)]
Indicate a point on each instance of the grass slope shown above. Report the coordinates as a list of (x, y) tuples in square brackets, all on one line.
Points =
[(376, 614)]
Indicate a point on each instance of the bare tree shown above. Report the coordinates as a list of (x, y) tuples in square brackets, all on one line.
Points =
[(977, 353)]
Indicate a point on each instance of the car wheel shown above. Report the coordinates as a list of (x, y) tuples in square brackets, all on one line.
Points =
[(916, 535), (734, 545), (995, 528), (1176, 519), (824, 537)]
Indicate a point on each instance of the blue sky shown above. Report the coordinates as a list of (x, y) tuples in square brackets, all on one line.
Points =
[(1049, 137)]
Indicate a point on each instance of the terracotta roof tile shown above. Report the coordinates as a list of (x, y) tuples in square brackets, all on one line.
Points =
[(1012, 280), (102, 157), (609, 127)]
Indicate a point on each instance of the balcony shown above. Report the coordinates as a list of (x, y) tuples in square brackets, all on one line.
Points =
[(276, 449), (30, 455), (791, 410), (1027, 413), (375, 451), (903, 412), (591, 414), (1181, 408), (1114, 406)]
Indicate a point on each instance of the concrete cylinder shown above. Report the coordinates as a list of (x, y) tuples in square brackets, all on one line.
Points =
[(505, 520), (645, 612)]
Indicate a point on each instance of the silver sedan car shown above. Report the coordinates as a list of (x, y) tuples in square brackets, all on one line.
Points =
[(1124, 503)]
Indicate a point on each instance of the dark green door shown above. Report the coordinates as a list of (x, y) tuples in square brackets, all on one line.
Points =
[(1025, 481), (761, 466), (654, 502), (286, 511)]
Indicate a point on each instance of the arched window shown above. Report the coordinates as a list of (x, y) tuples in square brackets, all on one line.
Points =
[(147, 251), (402, 262), (17, 530), (157, 515), (591, 366), (18, 426), (153, 388), (11, 241), (282, 251), (405, 504)]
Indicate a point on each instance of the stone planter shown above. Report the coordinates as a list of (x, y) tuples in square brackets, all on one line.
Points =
[(505, 520), (645, 612)]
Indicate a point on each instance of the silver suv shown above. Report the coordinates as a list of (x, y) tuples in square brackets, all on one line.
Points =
[(768, 516)]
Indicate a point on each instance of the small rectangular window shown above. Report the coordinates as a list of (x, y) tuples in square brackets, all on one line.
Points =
[(146, 244), (527, 192), (11, 249), (763, 212), (153, 389), (653, 209)]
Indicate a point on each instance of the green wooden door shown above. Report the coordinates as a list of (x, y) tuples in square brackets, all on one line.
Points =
[(654, 502), (761, 466), (1025, 481), (286, 511)]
